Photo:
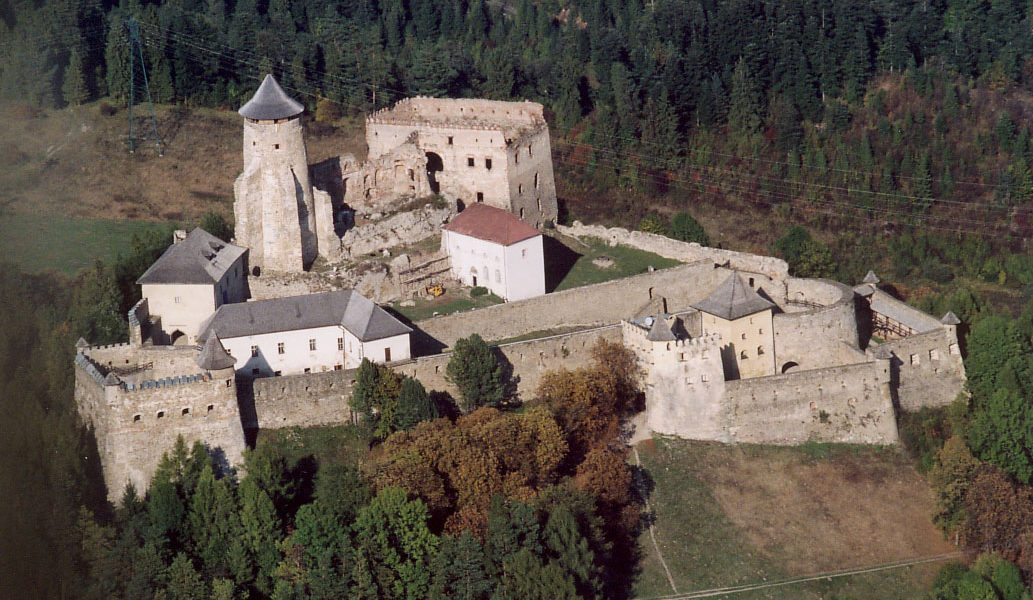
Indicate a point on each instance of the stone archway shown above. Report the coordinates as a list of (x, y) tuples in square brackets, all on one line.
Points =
[(434, 166), (790, 366)]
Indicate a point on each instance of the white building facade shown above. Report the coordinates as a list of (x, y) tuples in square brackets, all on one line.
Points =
[(493, 248)]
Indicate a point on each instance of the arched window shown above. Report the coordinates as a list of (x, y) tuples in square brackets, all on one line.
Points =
[(760, 350), (742, 355)]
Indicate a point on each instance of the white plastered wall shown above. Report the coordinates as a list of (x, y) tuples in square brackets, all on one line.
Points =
[(182, 307), (750, 335), (297, 355), (523, 273)]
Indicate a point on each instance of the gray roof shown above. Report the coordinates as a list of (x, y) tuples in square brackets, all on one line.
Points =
[(214, 356), (733, 300), (660, 331), (112, 379), (950, 318), (270, 102), (911, 317), (871, 278), (347, 308), (82, 343), (199, 258)]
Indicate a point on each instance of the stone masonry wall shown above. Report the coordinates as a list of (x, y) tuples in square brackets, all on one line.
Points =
[(664, 246), (850, 404), (928, 369), (589, 306), (820, 337), (305, 400)]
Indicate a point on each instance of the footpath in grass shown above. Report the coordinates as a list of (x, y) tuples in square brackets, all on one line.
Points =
[(39, 243), (735, 515)]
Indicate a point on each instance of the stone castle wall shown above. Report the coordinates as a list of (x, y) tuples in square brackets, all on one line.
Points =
[(851, 404), (589, 306), (816, 337), (928, 369), (134, 424), (305, 400)]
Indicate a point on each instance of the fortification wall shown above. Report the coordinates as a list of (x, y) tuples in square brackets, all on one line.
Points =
[(305, 400), (816, 338), (589, 306), (928, 369), (135, 425), (773, 268), (527, 361), (163, 361), (532, 186), (849, 403)]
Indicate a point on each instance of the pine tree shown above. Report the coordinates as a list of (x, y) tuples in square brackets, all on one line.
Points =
[(459, 570), (744, 110), (660, 134), (74, 88), (414, 405), (474, 369)]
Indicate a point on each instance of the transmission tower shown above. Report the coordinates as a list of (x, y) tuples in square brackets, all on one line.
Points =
[(135, 50)]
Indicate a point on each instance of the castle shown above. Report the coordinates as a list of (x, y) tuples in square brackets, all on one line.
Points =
[(732, 347)]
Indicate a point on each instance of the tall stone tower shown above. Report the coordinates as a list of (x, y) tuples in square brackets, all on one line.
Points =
[(274, 206)]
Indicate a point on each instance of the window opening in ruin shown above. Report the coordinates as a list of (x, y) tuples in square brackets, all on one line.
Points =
[(529, 153), (161, 414), (449, 140), (229, 383), (536, 182), (312, 344), (254, 351), (760, 350), (308, 370), (211, 407), (751, 282), (279, 348), (521, 212), (487, 164), (276, 146), (255, 371), (136, 418), (387, 355), (788, 366), (469, 161), (934, 355), (520, 188), (480, 196), (474, 281), (915, 360), (434, 166), (185, 412), (742, 355)]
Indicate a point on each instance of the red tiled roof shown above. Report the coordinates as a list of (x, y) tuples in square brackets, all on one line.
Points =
[(492, 224)]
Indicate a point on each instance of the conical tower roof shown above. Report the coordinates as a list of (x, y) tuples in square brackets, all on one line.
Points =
[(733, 300), (270, 103), (214, 356), (82, 344), (871, 278), (112, 379), (950, 319), (660, 331)]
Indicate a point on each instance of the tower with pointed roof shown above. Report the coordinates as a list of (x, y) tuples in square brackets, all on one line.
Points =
[(743, 319), (274, 207)]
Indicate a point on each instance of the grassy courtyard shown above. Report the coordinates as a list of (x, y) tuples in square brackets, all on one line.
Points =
[(572, 262)]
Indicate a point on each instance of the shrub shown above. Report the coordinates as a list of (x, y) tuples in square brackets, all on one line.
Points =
[(327, 110), (687, 229), (478, 290), (653, 223), (106, 109)]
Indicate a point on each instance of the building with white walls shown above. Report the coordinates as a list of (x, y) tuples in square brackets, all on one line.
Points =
[(196, 275), (743, 320), (308, 334), (493, 248)]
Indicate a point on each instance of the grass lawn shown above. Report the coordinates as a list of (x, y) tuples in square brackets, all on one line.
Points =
[(344, 444), (453, 300), (65, 244), (731, 515), (569, 262)]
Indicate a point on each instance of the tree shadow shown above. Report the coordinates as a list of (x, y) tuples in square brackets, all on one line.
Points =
[(559, 260), (510, 380), (420, 342)]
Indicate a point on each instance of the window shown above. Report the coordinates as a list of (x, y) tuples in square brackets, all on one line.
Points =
[(279, 348), (340, 343), (449, 140), (469, 161), (760, 350), (521, 212), (185, 412), (761, 331), (751, 282), (934, 355), (176, 299), (704, 378), (498, 276), (229, 383), (337, 367), (136, 418), (161, 414), (254, 351), (536, 181), (744, 336), (520, 188), (480, 196), (312, 345), (487, 164), (276, 146), (308, 370), (387, 355), (529, 153), (211, 407), (277, 373), (255, 371), (915, 360), (742, 355), (523, 253), (539, 205)]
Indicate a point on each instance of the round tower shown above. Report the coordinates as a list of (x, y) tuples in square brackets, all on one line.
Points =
[(274, 208)]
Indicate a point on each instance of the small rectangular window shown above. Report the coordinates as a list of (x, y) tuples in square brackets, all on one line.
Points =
[(176, 300), (312, 345), (915, 359), (487, 164), (469, 161), (387, 355), (254, 351), (337, 367), (449, 140), (276, 146), (480, 196), (211, 407), (279, 348), (704, 378), (340, 343), (308, 370)]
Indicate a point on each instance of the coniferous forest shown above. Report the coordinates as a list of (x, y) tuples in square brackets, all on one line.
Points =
[(890, 132)]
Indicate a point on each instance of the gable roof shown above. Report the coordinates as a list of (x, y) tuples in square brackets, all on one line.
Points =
[(214, 356), (491, 224), (911, 317), (270, 102), (733, 300), (347, 308), (199, 258)]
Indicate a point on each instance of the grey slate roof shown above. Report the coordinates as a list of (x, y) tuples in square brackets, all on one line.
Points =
[(353, 311), (270, 102), (871, 278), (660, 331), (950, 318), (733, 300), (214, 356), (888, 306), (199, 258)]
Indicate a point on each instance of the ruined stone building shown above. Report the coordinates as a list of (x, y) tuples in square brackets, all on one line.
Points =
[(487, 151)]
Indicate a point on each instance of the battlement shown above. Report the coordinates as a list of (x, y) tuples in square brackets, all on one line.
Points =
[(635, 334), (91, 369), (151, 384), (513, 119)]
